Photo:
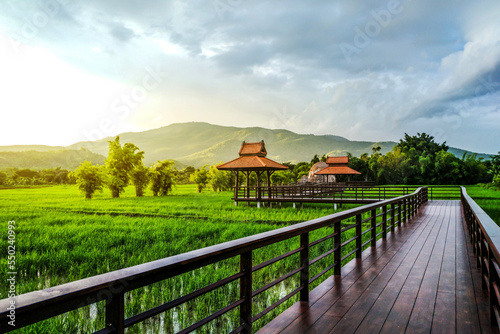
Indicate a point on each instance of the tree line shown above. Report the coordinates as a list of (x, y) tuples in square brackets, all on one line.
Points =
[(29, 177), (414, 160), (124, 166)]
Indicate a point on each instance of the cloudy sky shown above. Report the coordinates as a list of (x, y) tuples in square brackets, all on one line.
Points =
[(365, 70)]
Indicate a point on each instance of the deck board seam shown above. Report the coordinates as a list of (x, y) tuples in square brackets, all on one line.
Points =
[(432, 256), (387, 289), (393, 246), (433, 218), (407, 242)]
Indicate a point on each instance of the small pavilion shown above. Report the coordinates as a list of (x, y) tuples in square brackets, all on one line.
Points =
[(337, 166), (252, 159)]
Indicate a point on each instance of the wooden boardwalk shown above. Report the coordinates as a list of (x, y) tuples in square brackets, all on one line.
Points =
[(422, 279)]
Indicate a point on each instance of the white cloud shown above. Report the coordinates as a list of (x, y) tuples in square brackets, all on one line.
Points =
[(275, 64)]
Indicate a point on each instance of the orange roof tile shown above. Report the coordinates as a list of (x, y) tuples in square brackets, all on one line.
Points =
[(337, 170), (251, 163), (337, 160), (256, 149)]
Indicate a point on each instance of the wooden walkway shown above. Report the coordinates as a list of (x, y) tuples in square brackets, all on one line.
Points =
[(422, 279)]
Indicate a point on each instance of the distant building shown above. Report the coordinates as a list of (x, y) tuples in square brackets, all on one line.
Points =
[(334, 166)]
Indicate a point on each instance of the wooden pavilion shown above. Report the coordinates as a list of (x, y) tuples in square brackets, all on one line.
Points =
[(252, 159), (337, 166)]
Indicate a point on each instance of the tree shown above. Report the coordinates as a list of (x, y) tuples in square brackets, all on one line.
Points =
[(120, 163), (495, 164), (162, 177), (496, 181), (200, 178), (25, 173), (219, 180), (420, 153), (140, 178), (421, 143), (448, 168), (183, 175), (314, 160), (3, 178), (473, 169), (89, 178), (282, 177)]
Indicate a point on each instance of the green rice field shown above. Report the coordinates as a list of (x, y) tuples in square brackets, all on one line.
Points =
[(61, 237)]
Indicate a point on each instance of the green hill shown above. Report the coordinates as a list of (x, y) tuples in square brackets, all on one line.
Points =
[(66, 159), (199, 144)]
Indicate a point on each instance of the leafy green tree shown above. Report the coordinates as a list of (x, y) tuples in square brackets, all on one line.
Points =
[(183, 175), (448, 168), (120, 163), (200, 178), (3, 178), (314, 160), (494, 164), (282, 177), (496, 181), (89, 178), (301, 169), (473, 170), (25, 173), (162, 177), (420, 158), (140, 176), (219, 180), (389, 171), (421, 143), (55, 175)]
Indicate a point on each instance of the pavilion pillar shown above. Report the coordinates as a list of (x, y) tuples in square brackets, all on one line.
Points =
[(258, 192), (269, 173), (248, 187), (236, 187)]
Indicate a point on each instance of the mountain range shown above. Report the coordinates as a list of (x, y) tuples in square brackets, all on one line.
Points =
[(195, 144)]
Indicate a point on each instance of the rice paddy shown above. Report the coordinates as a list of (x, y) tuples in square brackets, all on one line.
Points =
[(61, 237)]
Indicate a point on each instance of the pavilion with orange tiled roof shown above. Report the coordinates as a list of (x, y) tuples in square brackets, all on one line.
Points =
[(252, 159), (337, 166)]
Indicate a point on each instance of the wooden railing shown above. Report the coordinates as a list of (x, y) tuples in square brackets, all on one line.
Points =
[(337, 192), (485, 238), (362, 226)]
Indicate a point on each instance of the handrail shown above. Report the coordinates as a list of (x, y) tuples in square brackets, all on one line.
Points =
[(40, 305), (335, 192), (485, 238)]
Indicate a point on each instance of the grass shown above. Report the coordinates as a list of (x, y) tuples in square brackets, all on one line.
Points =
[(61, 237), (488, 200)]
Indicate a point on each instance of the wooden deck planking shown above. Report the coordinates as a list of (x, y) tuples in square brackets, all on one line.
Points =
[(420, 280)]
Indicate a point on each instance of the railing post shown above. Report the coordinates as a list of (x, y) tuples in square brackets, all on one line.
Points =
[(304, 263), (246, 292), (115, 313), (358, 237), (393, 216), (485, 261), (405, 209), (374, 228), (493, 278), (337, 254), (412, 206), (384, 222), (479, 246), (400, 212)]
